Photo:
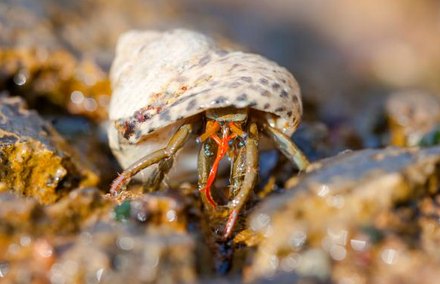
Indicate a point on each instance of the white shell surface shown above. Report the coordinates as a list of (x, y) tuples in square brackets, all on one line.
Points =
[(160, 78)]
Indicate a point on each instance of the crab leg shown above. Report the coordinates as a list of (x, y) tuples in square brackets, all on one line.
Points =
[(158, 175), (237, 172), (204, 164), (287, 147), (177, 141), (250, 177)]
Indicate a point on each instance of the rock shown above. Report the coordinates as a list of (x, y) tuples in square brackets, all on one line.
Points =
[(91, 142), (160, 210), (411, 115), (42, 68), (35, 160), (77, 210), (55, 84), (118, 253), (18, 216), (351, 217)]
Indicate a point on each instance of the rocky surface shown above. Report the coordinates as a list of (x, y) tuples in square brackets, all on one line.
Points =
[(361, 217), (35, 160), (368, 71), (411, 115), (86, 238)]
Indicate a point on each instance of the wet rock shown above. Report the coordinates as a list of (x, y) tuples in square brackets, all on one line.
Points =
[(55, 84), (411, 115), (26, 217), (91, 142), (76, 210), (118, 253), (18, 215), (28, 261), (170, 208), (35, 160), (159, 210), (353, 218)]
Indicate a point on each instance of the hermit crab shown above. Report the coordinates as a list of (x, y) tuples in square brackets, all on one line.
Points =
[(169, 86)]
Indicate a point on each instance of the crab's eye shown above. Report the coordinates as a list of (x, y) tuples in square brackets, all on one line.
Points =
[(230, 142)]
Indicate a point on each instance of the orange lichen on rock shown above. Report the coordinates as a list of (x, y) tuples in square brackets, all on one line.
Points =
[(34, 159)]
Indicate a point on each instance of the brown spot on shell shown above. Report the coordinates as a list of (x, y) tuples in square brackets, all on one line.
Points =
[(246, 79), (264, 93), (242, 97), (275, 86), (219, 100), (266, 106), (127, 129), (140, 117), (263, 81)]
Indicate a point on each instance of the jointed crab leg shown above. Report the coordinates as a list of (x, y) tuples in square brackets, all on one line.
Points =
[(158, 175), (250, 177), (287, 147), (177, 141), (204, 164), (223, 145), (237, 172)]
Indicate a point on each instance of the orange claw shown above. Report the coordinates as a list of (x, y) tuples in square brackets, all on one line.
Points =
[(223, 145)]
